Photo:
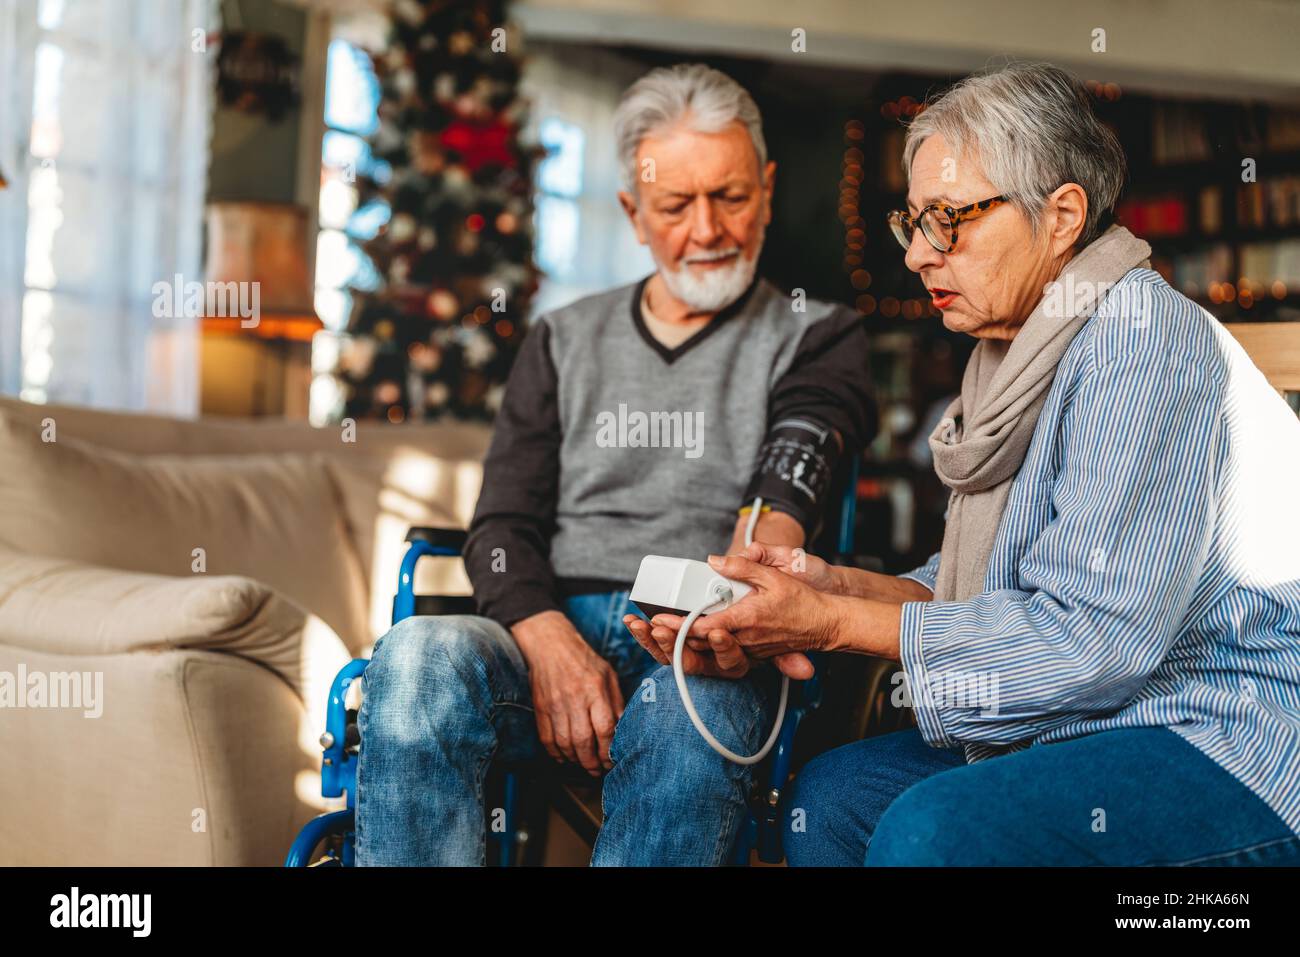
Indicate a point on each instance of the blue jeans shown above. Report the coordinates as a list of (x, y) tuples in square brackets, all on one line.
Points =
[(1136, 796), (446, 696)]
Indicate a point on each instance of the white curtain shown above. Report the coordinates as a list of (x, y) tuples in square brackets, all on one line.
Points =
[(105, 115), (581, 87)]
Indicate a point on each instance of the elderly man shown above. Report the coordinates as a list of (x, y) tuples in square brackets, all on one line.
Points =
[(634, 422), (1104, 657)]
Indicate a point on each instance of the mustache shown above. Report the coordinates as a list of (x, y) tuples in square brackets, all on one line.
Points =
[(712, 256)]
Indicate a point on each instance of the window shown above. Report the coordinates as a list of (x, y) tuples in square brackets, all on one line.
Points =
[(559, 187), (583, 240), (351, 115), (107, 105)]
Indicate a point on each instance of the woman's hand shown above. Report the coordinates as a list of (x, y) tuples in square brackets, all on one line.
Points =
[(779, 620), (796, 562)]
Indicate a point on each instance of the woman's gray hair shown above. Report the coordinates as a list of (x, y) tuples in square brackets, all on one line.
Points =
[(664, 96), (1032, 129)]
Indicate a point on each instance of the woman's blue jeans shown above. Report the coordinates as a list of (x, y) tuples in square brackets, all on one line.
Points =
[(446, 696), (1136, 796)]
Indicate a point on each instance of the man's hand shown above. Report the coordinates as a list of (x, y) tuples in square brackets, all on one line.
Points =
[(575, 692), (699, 657)]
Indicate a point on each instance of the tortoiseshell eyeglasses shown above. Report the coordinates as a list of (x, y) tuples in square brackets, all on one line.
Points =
[(939, 222)]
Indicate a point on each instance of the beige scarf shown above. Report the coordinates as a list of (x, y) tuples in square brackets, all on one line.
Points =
[(980, 443)]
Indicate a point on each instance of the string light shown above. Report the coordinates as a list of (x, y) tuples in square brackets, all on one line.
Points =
[(904, 106), (1104, 91), (855, 235)]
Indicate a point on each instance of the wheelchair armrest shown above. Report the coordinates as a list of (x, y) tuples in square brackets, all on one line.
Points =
[(453, 538), (428, 541)]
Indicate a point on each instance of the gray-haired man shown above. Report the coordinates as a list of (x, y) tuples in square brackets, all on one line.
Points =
[(634, 422)]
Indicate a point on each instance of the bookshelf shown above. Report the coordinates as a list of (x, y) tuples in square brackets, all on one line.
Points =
[(1223, 234), (1215, 188)]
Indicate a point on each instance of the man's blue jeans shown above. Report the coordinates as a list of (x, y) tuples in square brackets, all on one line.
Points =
[(1136, 796), (444, 697)]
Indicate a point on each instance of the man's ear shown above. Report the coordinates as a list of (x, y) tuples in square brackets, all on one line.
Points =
[(1069, 208), (769, 184), (628, 202)]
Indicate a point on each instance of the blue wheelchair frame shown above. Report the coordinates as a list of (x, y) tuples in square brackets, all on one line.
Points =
[(761, 830)]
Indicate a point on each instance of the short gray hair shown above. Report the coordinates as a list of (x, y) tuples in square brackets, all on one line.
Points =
[(1032, 129), (666, 95)]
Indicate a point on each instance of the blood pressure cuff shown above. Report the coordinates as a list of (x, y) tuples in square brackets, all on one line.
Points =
[(794, 469)]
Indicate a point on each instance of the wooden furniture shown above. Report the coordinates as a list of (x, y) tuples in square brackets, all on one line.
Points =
[(1274, 347), (259, 366)]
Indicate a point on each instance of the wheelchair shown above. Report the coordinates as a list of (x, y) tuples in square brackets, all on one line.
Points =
[(545, 784)]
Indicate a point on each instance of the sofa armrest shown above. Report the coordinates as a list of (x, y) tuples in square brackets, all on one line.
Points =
[(62, 607), (191, 758)]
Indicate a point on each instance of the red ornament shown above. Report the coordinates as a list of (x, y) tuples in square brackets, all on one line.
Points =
[(480, 143)]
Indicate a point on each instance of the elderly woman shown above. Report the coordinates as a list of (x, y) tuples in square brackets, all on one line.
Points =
[(1104, 657)]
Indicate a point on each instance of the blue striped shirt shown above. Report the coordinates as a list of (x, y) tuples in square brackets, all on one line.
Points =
[(1146, 571)]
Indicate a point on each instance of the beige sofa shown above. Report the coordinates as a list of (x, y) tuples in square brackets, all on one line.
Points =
[(175, 597)]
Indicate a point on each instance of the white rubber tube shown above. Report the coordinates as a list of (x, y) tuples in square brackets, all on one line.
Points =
[(680, 674)]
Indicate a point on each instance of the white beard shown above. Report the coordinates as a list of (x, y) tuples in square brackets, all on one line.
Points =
[(715, 289)]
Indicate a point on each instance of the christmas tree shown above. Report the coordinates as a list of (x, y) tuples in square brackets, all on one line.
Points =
[(439, 334)]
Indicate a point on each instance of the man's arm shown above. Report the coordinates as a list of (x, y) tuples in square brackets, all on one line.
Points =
[(773, 528), (507, 554), (576, 698), (822, 403)]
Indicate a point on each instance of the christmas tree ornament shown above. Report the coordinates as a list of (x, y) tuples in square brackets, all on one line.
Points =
[(402, 228), (404, 82), (454, 263)]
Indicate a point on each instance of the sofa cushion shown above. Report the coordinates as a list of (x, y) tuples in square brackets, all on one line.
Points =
[(272, 518), (391, 477), (72, 608)]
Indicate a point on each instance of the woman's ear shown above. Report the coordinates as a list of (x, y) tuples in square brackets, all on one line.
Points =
[(1068, 207)]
